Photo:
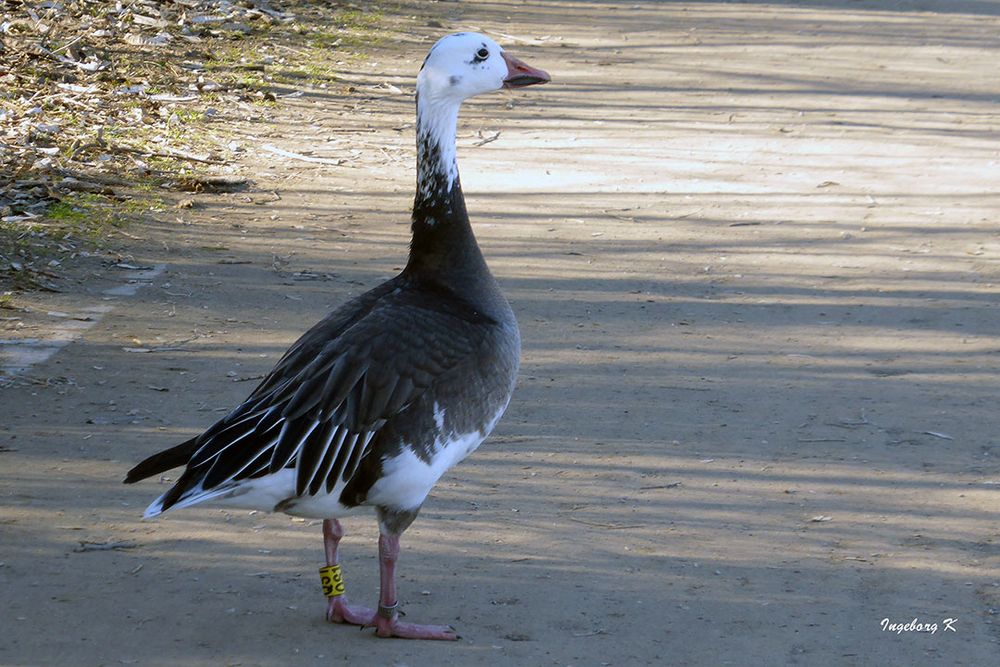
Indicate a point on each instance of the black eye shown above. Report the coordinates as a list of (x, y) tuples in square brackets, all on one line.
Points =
[(482, 54)]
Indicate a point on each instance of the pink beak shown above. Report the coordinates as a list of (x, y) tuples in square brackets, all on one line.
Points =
[(521, 74)]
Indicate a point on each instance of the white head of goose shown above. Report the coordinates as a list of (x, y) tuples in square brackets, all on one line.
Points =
[(373, 404)]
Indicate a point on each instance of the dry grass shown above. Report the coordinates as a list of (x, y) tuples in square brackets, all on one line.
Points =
[(104, 104)]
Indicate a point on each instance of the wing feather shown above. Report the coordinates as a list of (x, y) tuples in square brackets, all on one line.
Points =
[(233, 460), (343, 459), (310, 458), (212, 445), (293, 436), (357, 453), (330, 457)]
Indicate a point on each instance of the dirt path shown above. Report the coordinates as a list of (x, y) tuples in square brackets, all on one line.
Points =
[(754, 253)]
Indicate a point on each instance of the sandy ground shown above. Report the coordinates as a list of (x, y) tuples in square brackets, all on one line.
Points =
[(754, 254)]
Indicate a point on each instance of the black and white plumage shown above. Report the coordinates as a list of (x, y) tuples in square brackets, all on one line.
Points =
[(373, 404)]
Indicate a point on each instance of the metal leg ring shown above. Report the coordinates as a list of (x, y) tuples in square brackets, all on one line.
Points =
[(388, 611)]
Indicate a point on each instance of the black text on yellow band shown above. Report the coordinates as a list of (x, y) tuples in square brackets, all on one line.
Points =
[(332, 581)]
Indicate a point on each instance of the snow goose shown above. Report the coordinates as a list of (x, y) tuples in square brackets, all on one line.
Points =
[(373, 404)]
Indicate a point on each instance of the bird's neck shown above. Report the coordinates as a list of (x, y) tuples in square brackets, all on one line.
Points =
[(443, 245), (437, 169)]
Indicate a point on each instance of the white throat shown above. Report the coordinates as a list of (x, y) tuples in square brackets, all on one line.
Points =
[(437, 123)]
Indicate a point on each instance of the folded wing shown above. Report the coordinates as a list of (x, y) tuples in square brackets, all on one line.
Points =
[(326, 399)]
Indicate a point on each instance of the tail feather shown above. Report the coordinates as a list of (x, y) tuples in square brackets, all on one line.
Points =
[(179, 496), (162, 462)]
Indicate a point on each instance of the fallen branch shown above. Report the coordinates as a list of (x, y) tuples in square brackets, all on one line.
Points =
[(214, 183), (483, 142), (610, 526), (170, 152), (298, 156), (104, 546)]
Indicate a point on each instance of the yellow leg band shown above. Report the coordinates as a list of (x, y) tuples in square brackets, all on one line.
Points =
[(332, 581)]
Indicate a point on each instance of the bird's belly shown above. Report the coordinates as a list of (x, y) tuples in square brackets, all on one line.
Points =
[(261, 493), (321, 506), (407, 478), (276, 492)]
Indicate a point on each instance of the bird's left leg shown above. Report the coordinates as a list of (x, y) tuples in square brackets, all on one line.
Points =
[(337, 609)]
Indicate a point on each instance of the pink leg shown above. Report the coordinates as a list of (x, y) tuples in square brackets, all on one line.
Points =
[(337, 609), (386, 619)]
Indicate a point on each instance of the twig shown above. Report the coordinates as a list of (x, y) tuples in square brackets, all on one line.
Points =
[(483, 142), (599, 631), (68, 44), (104, 546), (170, 152), (611, 526), (248, 378), (66, 98), (298, 156), (295, 51), (861, 422), (173, 152), (688, 215), (672, 485)]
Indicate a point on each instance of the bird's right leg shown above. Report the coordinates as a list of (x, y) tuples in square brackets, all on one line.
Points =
[(337, 609)]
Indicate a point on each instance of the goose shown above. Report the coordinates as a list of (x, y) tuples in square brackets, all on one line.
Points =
[(373, 404)]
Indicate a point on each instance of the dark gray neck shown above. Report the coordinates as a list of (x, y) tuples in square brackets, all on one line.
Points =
[(443, 248)]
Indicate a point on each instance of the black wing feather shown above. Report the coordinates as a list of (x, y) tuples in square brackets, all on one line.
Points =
[(310, 458), (293, 433), (333, 459)]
